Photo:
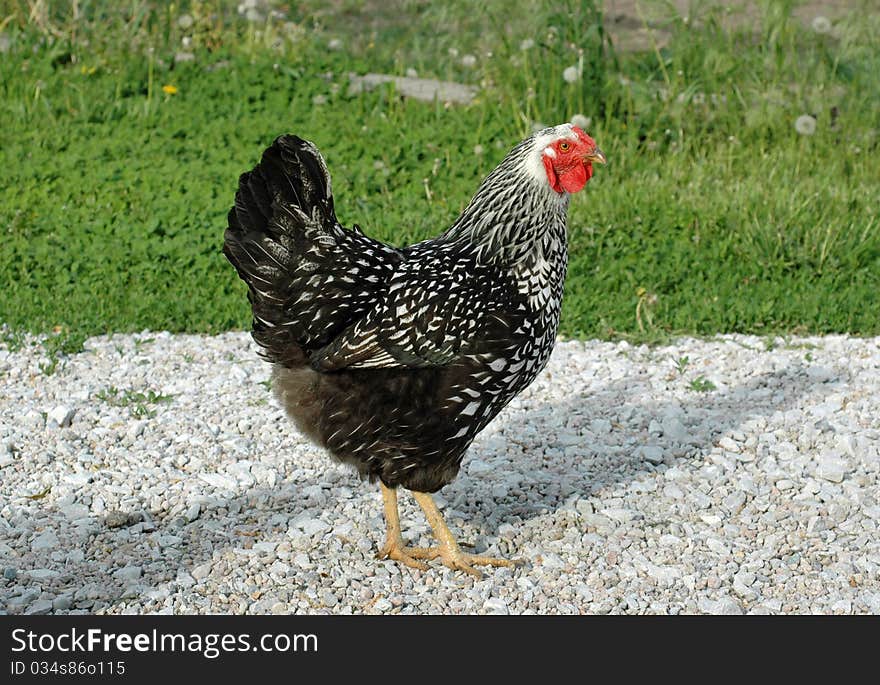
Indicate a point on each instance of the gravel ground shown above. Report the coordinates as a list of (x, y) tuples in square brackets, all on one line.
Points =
[(155, 474)]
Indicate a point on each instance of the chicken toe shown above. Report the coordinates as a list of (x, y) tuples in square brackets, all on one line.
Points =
[(448, 551)]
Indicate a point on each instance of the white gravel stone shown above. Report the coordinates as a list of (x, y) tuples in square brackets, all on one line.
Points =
[(192, 512), (494, 605), (33, 419), (664, 575), (505, 530), (201, 571), (62, 603), (45, 541), (128, 573), (41, 606), (135, 429), (728, 606), (619, 514), (652, 453), (60, 416), (314, 527), (832, 469), (624, 489), (383, 604), (478, 467), (675, 431), (729, 444)]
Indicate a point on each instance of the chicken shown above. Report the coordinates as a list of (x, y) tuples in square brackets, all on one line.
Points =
[(393, 359)]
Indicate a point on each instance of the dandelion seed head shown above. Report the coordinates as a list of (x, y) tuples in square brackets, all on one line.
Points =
[(822, 25), (468, 61), (527, 44), (478, 150), (805, 125), (293, 30), (186, 41), (334, 44), (185, 21), (570, 74), (319, 100), (453, 52), (412, 73), (581, 121), (250, 11)]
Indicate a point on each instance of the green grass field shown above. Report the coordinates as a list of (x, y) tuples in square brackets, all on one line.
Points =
[(714, 214)]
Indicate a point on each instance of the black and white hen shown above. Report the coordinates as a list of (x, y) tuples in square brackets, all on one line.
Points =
[(393, 359)]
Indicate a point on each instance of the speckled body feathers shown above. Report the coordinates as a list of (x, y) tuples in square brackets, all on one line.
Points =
[(394, 359)]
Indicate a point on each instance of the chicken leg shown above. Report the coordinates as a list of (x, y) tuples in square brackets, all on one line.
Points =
[(447, 551), (394, 547)]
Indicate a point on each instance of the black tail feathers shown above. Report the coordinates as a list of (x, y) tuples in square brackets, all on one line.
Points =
[(308, 277), (291, 174), (279, 207)]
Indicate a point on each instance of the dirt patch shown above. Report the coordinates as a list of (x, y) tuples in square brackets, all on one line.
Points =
[(633, 24)]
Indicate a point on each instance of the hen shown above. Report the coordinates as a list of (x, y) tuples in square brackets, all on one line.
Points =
[(393, 359)]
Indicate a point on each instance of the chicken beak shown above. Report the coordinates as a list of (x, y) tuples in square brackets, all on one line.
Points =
[(596, 156)]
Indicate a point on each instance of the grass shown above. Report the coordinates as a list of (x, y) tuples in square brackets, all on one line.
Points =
[(701, 384), (714, 214), (136, 401)]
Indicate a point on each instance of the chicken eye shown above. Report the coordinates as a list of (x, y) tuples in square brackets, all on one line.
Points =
[(564, 147)]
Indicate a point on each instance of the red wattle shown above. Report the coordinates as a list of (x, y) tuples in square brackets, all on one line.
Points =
[(551, 173), (576, 178)]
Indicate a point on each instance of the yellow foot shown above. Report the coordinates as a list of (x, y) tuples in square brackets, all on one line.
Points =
[(396, 550), (457, 560), (453, 558)]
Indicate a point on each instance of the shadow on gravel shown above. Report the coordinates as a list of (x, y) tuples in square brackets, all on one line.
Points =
[(615, 457), (105, 576)]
